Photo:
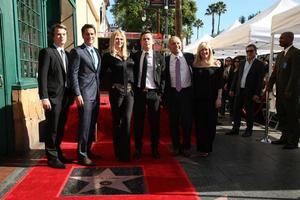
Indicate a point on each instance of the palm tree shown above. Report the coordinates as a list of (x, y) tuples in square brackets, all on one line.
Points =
[(220, 9), (211, 10), (198, 24)]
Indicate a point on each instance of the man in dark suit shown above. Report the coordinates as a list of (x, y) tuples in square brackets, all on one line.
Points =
[(84, 77), (247, 88), (286, 76), (179, 96), (56, 97), (148, 87)]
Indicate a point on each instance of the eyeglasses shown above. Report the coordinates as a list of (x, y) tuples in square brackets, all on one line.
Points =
[(236, 61), (249, 51)]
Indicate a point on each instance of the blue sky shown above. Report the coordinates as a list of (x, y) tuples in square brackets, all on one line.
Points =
[(235, 9)]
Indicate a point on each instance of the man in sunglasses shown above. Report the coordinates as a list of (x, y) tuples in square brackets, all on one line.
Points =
[(247, 88), (286, 75)]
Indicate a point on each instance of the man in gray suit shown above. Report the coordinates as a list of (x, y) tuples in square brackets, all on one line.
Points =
[(84, 77), (286, 76)]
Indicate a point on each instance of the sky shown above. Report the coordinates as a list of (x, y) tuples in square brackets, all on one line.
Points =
[(235, 9)]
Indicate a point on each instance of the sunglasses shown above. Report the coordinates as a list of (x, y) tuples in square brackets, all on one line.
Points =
[(228, 60), (249, 51)]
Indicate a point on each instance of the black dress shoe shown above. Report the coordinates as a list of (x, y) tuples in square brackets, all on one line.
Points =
[(86, 161), (278, 142), (232, 132), (56, 164), (290, 146), (93, 156), (155, 154), (186, 153), (247, 134), (64, 159), (137, 154)]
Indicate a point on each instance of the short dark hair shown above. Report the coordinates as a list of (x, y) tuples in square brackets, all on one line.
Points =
[(56, 26), (86, 26), (253, 46), (289, 35), (144, 33)]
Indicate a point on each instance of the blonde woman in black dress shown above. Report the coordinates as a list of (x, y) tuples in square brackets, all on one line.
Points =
[(207, 86), (121, 99)]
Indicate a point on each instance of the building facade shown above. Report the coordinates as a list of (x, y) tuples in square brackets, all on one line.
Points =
[(24, 27)]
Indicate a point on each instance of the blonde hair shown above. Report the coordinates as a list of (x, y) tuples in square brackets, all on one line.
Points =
[(200, 61), (112, 49)]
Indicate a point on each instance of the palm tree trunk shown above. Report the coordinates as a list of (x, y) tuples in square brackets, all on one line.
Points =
[(219, 23), (213, 25), (197, 32)]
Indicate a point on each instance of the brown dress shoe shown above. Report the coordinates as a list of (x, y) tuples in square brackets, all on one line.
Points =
[(86, 161), (56, 164)]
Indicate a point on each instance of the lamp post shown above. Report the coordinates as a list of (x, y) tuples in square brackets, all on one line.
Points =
[(178, 18), (166, 31)]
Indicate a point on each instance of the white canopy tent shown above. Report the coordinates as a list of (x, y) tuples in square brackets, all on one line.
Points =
[(257, 30), (286, 21), (192, 48)]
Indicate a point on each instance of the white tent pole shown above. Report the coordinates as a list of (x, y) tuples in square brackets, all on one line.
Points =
[(266, 136)]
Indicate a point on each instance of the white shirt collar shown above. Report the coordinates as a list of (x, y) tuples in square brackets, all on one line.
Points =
[(179, 55), (287, 49), (58, 48), (89, 47)]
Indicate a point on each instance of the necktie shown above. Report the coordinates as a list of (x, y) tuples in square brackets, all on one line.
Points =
[(62, 54), (93, 58), (178, 75), (144, 71)]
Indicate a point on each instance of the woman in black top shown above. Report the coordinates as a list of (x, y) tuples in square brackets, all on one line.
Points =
[(119, 62), (207, 85)]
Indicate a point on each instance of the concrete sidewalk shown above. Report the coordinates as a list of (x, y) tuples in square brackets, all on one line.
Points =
[(238, 168), (245, 168)]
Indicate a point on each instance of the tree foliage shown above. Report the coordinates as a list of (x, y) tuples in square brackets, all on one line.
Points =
[(218, 8), (128, 16), (198, 24)]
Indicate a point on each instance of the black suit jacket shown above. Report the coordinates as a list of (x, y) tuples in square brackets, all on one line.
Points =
[(287, 73), (158, 72), (84, 77), (52, 76), (254, 79)]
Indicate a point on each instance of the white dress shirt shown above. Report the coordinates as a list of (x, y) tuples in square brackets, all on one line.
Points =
[(185, 73), (150, 84), (246, 71)]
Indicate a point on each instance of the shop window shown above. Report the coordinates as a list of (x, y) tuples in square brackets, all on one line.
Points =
[(29, 18)]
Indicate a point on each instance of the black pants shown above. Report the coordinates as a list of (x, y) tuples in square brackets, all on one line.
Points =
[(180, 107), (151, 100), (121, 108), (88, 115), (288, 119), (206, 122), (55, 123), (243, 101)]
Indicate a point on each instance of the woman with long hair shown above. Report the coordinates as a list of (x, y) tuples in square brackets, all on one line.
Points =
[(207, 85), (121, 98)]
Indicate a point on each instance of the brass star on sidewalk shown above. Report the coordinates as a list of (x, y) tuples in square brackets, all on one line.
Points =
[(105, 179)]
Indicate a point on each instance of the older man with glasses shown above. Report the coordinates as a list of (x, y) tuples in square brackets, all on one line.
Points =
[(247, 88)]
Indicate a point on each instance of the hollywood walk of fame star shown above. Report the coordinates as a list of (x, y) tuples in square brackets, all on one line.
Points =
[(105, 179)]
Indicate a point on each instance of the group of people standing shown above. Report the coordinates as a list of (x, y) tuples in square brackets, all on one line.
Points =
[(190, 86)]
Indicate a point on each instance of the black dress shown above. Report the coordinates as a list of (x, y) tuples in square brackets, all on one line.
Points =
[(121, 101), (206, 83)]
